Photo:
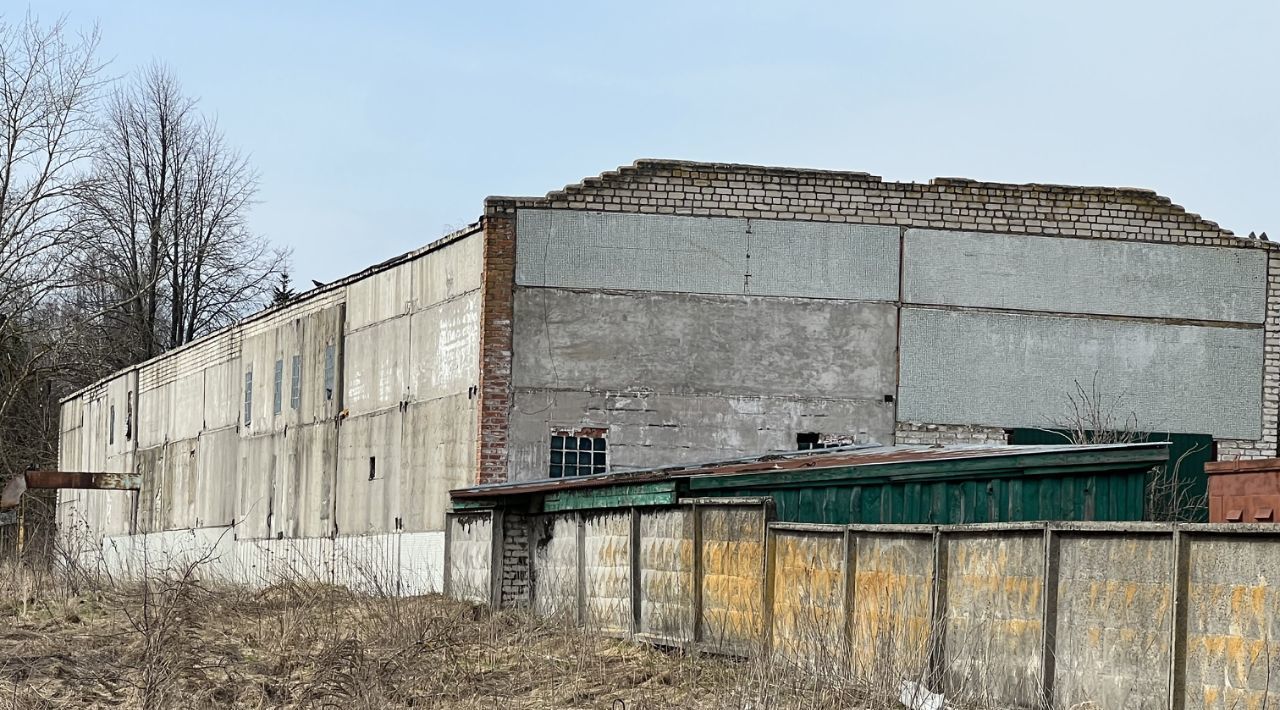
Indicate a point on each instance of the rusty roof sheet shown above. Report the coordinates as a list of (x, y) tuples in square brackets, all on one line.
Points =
[(841, 457)]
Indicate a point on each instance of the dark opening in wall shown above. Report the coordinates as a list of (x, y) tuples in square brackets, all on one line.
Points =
[(806, 440), (373, 467)]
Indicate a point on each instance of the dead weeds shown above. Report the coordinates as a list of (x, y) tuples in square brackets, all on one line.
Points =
[(179, 643)]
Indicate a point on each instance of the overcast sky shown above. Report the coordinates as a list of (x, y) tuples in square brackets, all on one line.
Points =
[(377, 127)]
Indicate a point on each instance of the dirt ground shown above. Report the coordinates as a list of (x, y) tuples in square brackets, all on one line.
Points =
[(179, 644)]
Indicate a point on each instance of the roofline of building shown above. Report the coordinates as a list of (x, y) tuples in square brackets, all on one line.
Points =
[(650, 165), (446, 240), (794, 462)]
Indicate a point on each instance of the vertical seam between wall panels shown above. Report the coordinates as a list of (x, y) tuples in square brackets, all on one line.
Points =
[(897, 331)]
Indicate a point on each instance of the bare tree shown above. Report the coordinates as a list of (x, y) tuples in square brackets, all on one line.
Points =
[(165, 220), (1094, 417), (49, 83)]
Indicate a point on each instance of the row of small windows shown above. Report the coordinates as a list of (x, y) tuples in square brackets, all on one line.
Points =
[(585, 452), (295, 384)]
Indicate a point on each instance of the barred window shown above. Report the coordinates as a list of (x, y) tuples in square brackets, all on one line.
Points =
[(578, 453)]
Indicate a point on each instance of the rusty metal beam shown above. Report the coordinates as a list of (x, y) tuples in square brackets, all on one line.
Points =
[(47, 480)]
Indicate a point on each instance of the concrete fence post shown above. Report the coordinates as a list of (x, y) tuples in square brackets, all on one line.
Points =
[(446, 585), (697, 573), (847, 599), (497, 540), (1049, 614), (580, 603), (1179, 584), (770, 582), (634, 549), (937, 663)]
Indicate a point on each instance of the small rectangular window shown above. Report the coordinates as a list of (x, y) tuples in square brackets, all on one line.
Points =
[(128, 417), (278, 390), (248, 397), (329, 365), (578, 452), (373, 467), (111, 426), (295, 383)]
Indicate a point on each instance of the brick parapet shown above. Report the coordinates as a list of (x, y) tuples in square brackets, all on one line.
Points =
[(726, 190)]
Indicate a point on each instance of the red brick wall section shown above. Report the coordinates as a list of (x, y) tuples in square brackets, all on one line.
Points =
[(497, 290)]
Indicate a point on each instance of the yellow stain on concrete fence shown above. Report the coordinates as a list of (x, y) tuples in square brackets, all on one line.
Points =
[(733, 577), (807, 604), (891, 613)]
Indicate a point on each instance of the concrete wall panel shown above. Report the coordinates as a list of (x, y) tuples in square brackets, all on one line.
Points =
[(375, 367), (223, 395), (724, 345), (186, 408), (379, 297), (1017, 370), (732, 577), (808, 595), (607, 571), (823, 260), (1233, 658), (155, 416), (438, 454), (449, 272), (595, 250), (259, 457), (666, 574), (470, 567), (993, 621), (370, 444), (1099, 276), (1114, 617), (649, 429), (444, 356), (217, 463), (890, 622), (303, 488), (706, 255)]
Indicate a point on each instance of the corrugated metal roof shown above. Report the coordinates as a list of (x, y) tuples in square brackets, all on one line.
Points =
[(842, 457)]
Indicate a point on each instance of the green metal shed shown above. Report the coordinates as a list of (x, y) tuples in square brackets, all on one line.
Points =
[(875, 484)]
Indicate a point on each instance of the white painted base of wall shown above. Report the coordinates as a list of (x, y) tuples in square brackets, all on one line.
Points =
[(401, 564)]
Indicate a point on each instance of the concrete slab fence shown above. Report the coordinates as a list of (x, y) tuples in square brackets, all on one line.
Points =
[(1079, 615)]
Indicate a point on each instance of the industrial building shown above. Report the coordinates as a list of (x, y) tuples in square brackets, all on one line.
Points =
[(666, 313)]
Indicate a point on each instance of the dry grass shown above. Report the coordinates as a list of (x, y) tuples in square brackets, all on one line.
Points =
[(177, 643)]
